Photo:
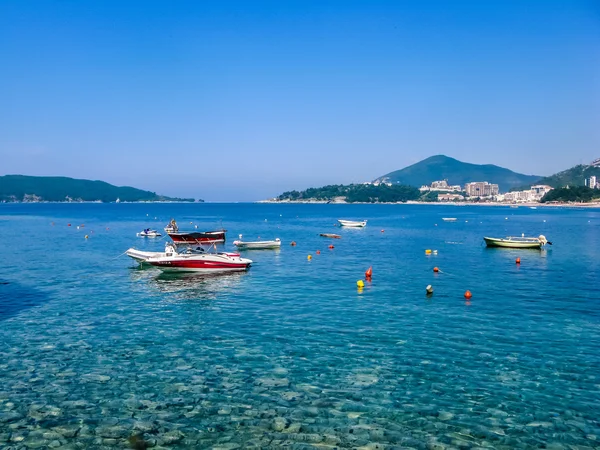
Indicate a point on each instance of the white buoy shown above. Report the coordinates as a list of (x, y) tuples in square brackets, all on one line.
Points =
[(429, 289)]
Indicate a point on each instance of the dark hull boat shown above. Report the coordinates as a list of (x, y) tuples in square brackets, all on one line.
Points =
[(193, 237)]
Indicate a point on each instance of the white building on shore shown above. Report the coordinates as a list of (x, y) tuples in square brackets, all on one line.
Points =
[(440, 186), (534, 194), (592, 182)]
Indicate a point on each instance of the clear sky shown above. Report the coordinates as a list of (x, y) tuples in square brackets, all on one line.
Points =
[(242, 100)]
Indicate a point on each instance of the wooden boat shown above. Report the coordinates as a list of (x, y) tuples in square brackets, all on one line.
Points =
[(352, 223), (517, 242), (330, 235), (257, 245)]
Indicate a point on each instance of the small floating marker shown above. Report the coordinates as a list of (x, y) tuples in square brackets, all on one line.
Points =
[(435, 252), (436, 270), (107, 228), (68, 224), (331, 247), (78, 228), (309, 257), (265, 220), (360, 284), (518, 261), (428, 252), (191, 223), (506, 218), (466, 220), (383, 231), (293, 243), (468, 295), (196, 226), (544, 220), (429, 289), (318, 252), (86, 236), (82, 225), (436, 224), (369, 272), (146, 215)]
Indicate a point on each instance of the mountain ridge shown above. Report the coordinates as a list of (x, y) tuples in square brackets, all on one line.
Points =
[(26, 188), (442, 167)]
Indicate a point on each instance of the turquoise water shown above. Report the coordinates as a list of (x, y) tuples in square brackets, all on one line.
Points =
[(94, 350)]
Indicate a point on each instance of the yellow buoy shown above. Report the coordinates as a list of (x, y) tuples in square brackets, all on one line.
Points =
[(360, 284), (86, 236), (428, 252), (309, 257)]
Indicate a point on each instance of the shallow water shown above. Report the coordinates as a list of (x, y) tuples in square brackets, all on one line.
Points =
[(95, 350)]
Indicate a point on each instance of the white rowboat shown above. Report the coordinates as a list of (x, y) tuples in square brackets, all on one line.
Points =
[(352, 223), (517, 242), (257, 245)]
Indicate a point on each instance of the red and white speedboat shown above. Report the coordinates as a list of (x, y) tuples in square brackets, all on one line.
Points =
[(199, 260), (197, 238)]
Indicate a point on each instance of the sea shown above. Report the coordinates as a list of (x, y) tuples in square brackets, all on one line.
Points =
[(97, 352)]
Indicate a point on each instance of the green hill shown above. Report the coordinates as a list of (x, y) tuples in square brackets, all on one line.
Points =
[(442, 167), (575, 176), (364, 193), (581, 194), (22, 188)]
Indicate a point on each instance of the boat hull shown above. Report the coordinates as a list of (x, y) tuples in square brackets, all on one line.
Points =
[(209, 263), (352, 223), (141, 256), (258, 245), (330, 235), (207, 237), (508, 243)]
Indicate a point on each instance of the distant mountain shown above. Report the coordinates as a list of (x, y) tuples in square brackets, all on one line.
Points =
[(22, 188), (575, 176), (442, 167)]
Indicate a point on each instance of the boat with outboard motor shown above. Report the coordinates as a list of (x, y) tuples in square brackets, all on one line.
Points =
[(330, 235), (149, 233), (518, 242), (257, 245), (352, 223), (198, 260)]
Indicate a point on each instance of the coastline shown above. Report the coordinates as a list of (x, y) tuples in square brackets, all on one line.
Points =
[(518, 205)]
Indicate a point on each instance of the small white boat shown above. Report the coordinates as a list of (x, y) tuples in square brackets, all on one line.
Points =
[(141, 256), (449, 219), (257, 245), (149, 233), (518, 242), (352, 223)]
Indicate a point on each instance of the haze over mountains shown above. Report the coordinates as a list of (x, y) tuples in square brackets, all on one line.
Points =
[(441, 167)]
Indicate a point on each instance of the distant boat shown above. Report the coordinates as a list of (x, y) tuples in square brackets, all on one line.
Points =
[(449, 219), (330, 235), (513, 206), (257, 245), (352, 223), (533, 207), (149, 233), (517, 242)]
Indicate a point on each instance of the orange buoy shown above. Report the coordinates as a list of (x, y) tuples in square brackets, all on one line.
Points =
[(436, 270), (68, 224), (518, 261), (293, 243), (82, 225), (468, 294), (369, 272), (318, 252), (383, 231), (331, 246)]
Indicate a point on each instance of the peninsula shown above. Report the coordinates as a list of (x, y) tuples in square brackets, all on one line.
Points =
[(28, 189)]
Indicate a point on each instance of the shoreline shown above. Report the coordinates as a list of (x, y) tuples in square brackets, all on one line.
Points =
[(461, 204)]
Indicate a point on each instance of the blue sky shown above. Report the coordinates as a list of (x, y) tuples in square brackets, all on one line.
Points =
[(242, 100)]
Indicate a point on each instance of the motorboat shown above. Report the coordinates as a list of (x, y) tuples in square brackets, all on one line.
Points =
[(199, 260), (257, 245), (330, 235), (449, 219), (352, 223), (149, 233), (518, 242), (171, 226), (196, 237)]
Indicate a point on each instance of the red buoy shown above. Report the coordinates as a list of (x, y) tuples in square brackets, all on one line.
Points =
[(369, 272), (293, 243), (518, 261), (436, 270), (468, 294), (318, 252), (331, 246)]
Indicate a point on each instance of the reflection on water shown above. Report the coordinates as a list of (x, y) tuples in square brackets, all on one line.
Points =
[(187, 285)]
